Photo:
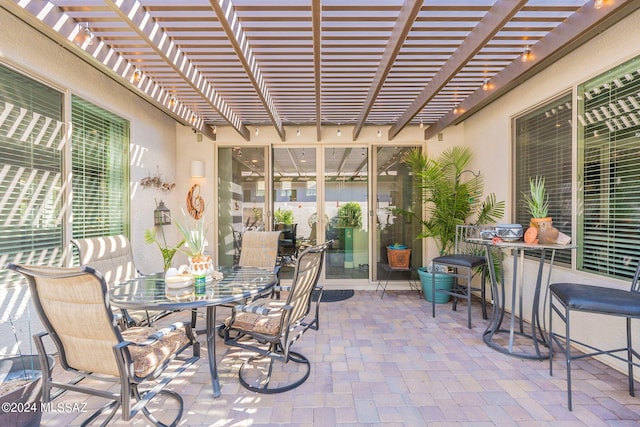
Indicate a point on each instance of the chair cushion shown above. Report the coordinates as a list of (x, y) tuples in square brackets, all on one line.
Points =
[(597, 299), (462, 260), (147, 359), (260, 323)]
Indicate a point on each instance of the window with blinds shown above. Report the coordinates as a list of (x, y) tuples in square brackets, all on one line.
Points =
[(100, 153), (609, 168), (31, 183), (543, 148)]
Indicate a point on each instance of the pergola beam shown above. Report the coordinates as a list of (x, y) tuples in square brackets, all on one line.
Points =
[(230, 22), (583, 25), (65, 30), (401, 28), (495, 19), (316, 20), (140, 21)]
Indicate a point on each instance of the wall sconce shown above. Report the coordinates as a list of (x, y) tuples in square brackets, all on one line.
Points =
[(197, 169), (161, 215)]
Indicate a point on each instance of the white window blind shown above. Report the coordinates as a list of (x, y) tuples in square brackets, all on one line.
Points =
[(100, 153), (543, 148), (31, 132), (609, 167)]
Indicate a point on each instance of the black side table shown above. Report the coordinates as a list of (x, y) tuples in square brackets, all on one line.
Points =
[(386, 267)]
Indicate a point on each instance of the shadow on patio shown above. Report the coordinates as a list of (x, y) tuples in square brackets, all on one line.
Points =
[(387, 361)]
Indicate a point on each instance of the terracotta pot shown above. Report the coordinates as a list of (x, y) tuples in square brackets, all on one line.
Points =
[(535, 222)]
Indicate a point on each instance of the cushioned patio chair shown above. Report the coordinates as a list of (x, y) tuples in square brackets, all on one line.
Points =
[(269, 328), (73, 305), (112, 256), (571, 297)]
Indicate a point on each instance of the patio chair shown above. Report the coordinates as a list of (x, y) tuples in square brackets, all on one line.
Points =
[(73, 305), (259, 249), (571, 297), (112, 256), (465, 262), (269, 328)]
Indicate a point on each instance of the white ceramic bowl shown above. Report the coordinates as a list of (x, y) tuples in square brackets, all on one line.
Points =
[(509, 232), (178, 281)]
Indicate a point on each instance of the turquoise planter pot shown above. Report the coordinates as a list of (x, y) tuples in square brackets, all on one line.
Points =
[(443, 281)]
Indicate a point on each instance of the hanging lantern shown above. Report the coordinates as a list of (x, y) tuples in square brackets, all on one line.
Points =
[(162, 214)]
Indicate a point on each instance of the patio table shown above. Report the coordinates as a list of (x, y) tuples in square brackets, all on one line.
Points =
[(150, 293), (536, 335)]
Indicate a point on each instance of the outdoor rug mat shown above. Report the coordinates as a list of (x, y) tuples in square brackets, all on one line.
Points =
[(333, 295)]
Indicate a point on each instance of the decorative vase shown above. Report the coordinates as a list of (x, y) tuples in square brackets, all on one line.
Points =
[(547, 233), (200, 265), (443, 282)]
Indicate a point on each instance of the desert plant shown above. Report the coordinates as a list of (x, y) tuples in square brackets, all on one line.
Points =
[(194, 234), (450, 199), (537, 200)]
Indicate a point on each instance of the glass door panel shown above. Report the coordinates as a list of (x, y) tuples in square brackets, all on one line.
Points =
[(295, 203), (346, 207), (241, 198), (394, 189)]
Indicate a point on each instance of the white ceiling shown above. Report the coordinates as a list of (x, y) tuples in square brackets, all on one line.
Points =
[(391, 63)]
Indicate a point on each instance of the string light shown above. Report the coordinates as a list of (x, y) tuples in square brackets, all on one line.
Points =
[(257, 131), (137, 76), (421, 124), (455, 109), (298, 134), (526, 55), (598, 4), (339, 132), (86, 35), (485, 85), (379, 133), (215, 129), (172, 101)]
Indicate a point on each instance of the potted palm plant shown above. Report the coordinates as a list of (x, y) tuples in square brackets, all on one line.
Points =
[(452, 195), (541, 228)]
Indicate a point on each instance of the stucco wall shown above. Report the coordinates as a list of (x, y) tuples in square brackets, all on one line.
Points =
[(153, 133)]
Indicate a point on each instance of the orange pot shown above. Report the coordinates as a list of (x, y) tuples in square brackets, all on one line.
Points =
[(535, 222)]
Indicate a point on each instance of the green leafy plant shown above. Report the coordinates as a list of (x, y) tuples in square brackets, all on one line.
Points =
[(537, 200), (151, 237), (452, 195), (283, 216), (350, 215)]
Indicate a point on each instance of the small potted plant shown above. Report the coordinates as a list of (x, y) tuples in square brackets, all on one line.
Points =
[(541, 229), (350, 215), (398, 255), (283, 216), (200, 264), (151, 236)]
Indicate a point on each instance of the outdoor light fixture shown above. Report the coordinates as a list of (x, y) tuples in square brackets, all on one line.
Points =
[(597, 4), (339, 132), (485, 85), (257, 131), (455, 109), (379, 133), (86, 35), (172, 102), (526, 55), (137, 75), (421, 124), (298, 132), (215, 129), (197, 169), (161, 215)]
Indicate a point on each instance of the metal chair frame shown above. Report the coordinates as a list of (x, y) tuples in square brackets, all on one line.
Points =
[(128, 397), (570, 297), (466, 262), (295, 318)]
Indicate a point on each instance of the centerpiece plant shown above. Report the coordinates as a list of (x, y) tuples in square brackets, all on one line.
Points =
[(168, 252)]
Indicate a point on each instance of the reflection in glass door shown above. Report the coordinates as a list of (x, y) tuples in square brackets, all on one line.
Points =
[(346, 207), (241, 198), (295, 203), (395, 189)]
